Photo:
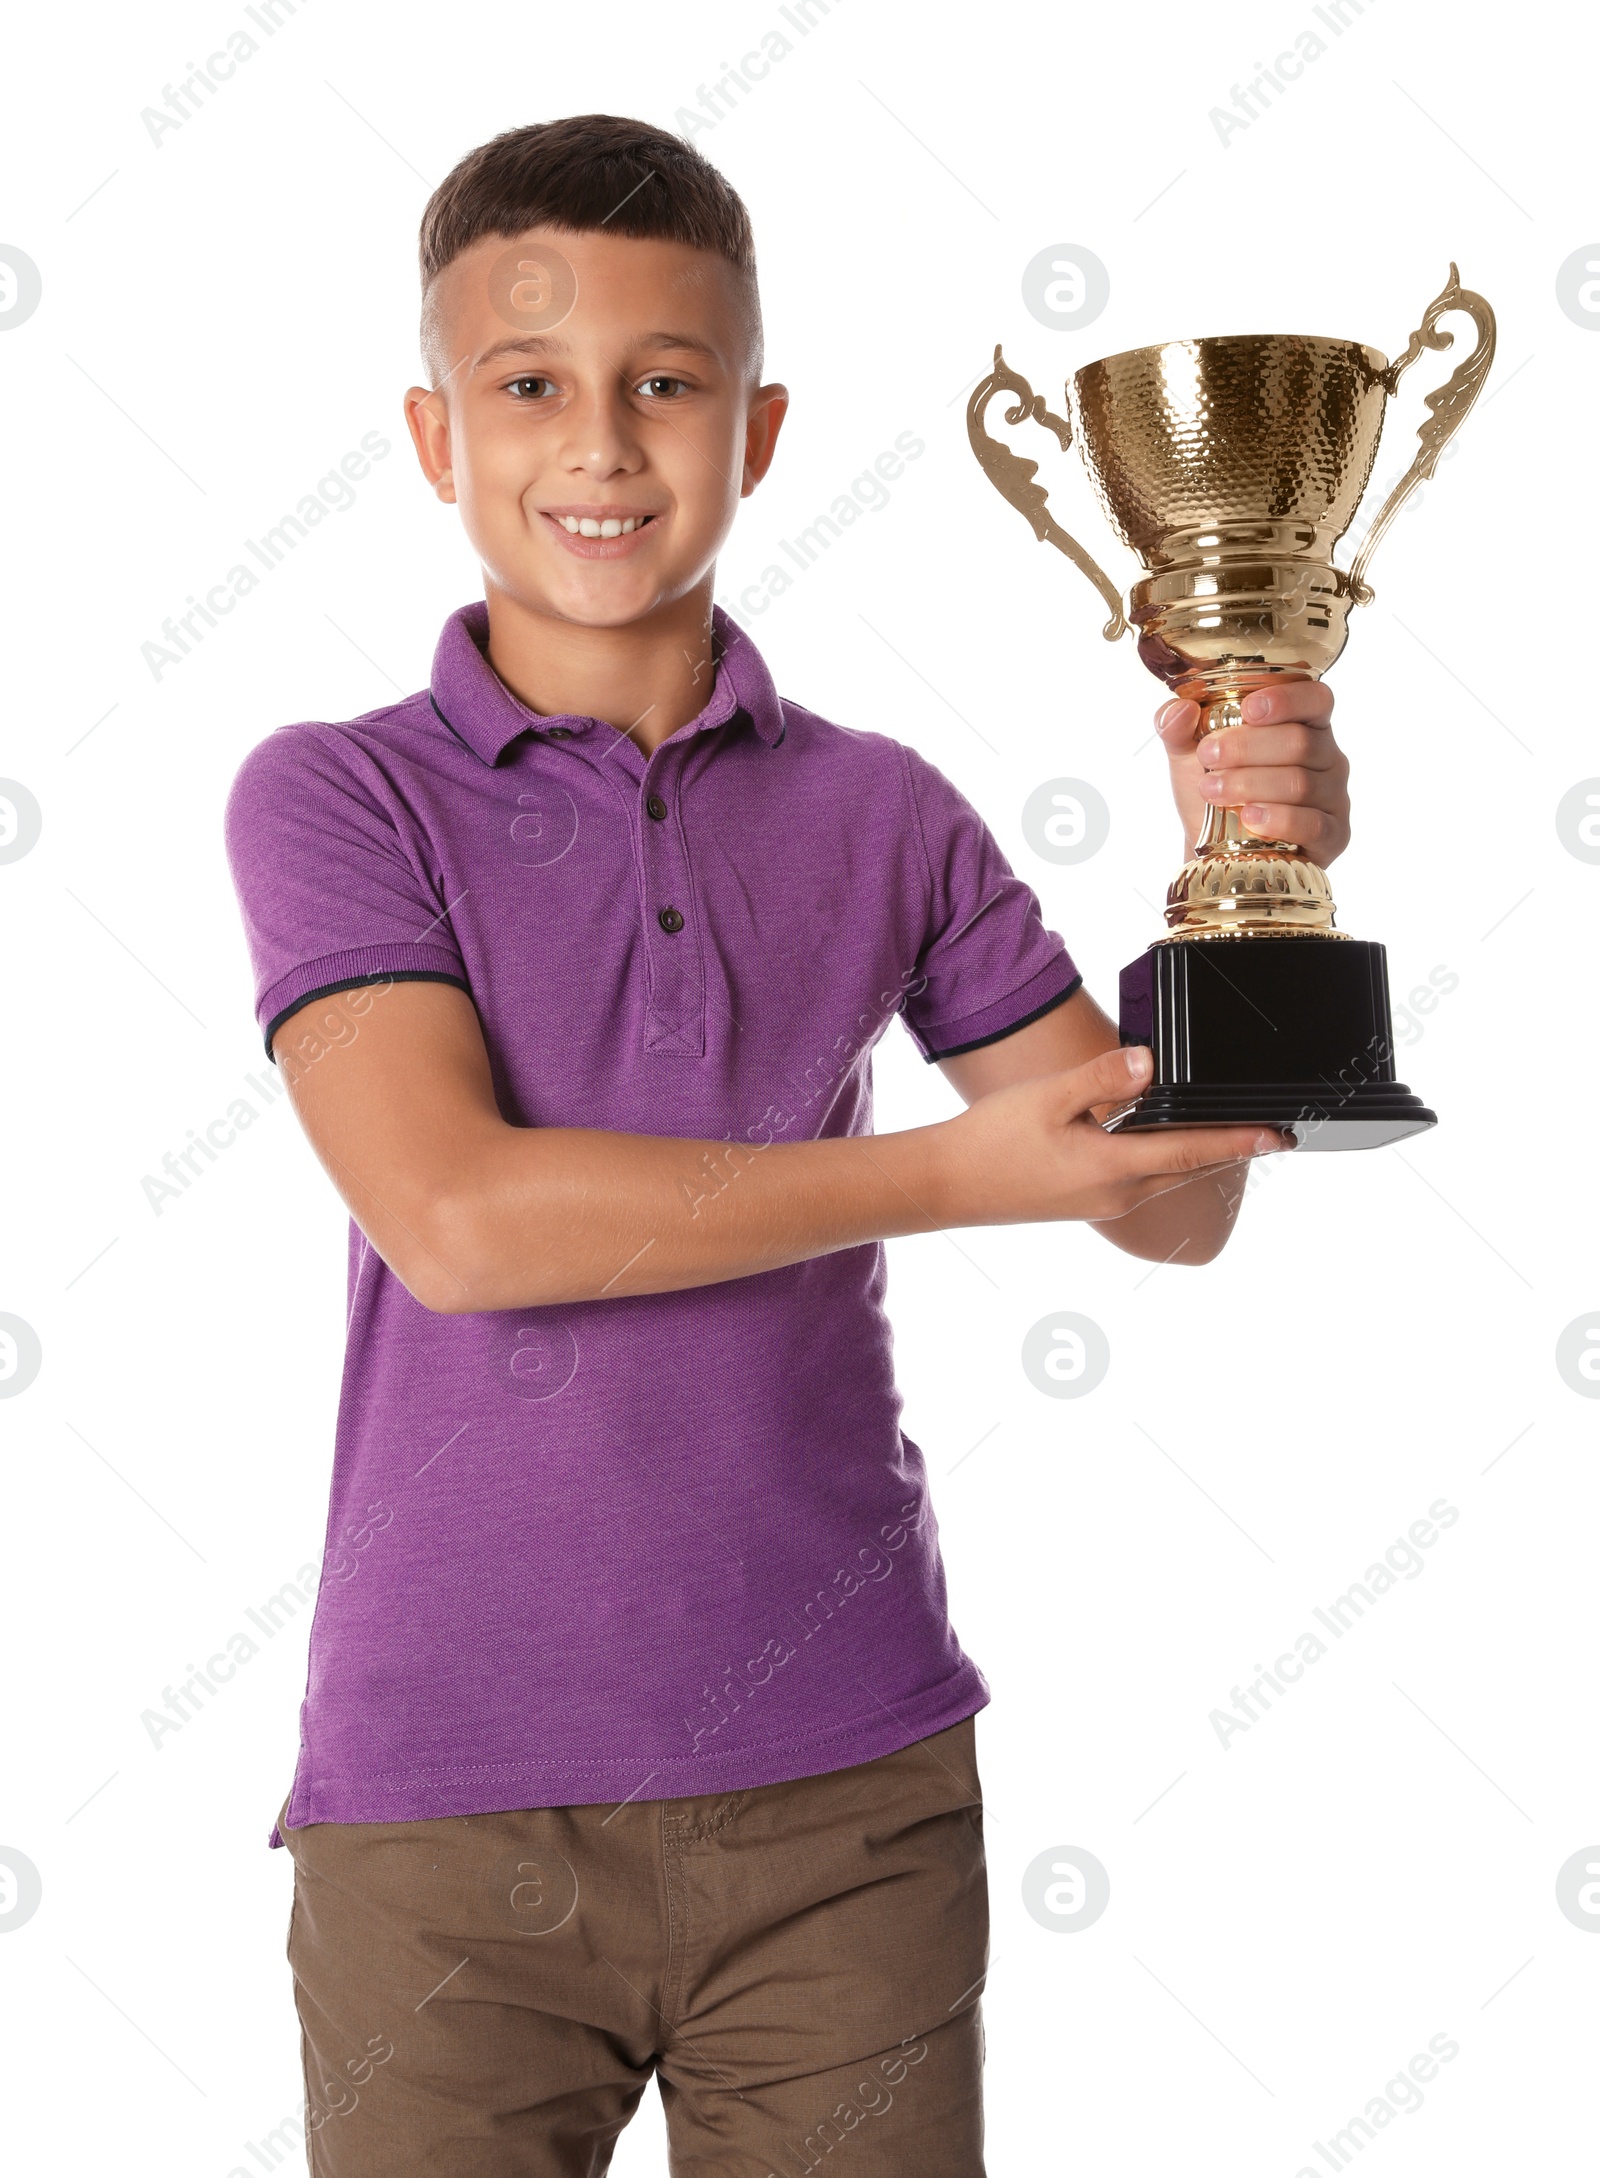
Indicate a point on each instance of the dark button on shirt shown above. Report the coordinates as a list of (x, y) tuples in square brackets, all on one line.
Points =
[(670, 919), (657, 807)]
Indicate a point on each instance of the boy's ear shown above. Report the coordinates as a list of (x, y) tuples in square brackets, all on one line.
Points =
[(428, 421), (768, 407)]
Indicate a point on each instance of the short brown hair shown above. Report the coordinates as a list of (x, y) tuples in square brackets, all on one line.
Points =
[(584, 173)]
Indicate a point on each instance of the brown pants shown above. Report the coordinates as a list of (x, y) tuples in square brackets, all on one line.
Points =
[(486, 1996)]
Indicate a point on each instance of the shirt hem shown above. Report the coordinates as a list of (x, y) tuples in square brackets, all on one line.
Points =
[(498, 1788)]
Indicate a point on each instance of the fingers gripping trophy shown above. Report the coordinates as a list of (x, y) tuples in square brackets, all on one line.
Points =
[(1232, 467)]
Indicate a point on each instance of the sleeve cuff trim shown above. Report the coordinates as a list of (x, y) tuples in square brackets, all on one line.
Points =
[(1057, 998), (354, 972)]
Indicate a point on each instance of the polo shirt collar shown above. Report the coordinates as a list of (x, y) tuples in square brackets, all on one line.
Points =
[(470, 698)]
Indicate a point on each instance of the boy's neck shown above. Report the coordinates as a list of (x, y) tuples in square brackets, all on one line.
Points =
[(646, 679)]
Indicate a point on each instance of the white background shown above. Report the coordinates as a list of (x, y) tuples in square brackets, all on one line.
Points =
[(224, 315)]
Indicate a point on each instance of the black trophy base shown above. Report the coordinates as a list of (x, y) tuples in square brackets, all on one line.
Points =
[(1288, 1032)]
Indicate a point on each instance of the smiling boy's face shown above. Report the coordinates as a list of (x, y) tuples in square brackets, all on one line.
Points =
[(598, 466)]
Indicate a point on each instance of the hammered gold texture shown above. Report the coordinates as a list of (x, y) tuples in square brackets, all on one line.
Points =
[(1238, 428)]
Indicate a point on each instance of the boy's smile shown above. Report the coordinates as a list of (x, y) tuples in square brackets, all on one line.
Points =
[(598, 465), (598, 532)]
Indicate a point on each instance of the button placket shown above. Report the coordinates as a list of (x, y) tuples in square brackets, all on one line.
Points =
[(675, 1017)]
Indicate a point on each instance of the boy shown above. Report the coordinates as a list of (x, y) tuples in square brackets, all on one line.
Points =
[(637, 1740)]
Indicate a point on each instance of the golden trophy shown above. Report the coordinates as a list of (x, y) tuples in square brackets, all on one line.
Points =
[(1232, 467)]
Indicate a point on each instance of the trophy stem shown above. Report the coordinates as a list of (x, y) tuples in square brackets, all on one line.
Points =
[(1236, 883)]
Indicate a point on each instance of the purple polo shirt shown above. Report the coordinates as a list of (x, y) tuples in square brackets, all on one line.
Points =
[(672, 1543)]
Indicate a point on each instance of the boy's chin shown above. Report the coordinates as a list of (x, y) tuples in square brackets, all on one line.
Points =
[(610, 599), (593, 608)]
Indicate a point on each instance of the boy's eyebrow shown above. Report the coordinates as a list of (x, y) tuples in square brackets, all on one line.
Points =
[(541, 344)]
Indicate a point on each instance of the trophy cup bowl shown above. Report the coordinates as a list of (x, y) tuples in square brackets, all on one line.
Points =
[(1232, 467)]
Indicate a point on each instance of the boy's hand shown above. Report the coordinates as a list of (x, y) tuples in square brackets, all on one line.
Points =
[(1282, 769), (1035, 1151)]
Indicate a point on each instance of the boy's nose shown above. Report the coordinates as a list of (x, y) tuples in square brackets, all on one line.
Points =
[(600, 440)]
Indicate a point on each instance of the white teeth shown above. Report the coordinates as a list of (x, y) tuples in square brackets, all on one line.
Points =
[(586, 525)]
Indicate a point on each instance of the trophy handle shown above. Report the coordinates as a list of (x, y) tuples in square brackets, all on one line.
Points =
[(1449, 404), (1012, 476)]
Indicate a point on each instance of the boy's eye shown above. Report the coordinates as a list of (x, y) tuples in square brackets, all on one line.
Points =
[(658, 388), (529, 388)]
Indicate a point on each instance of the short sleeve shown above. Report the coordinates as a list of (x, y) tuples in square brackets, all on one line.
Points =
[(332, 876), (988, 965)]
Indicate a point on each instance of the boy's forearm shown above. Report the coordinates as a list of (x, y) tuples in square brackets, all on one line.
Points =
[(1190, 1224), (557, 1214), (474, 1212)]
